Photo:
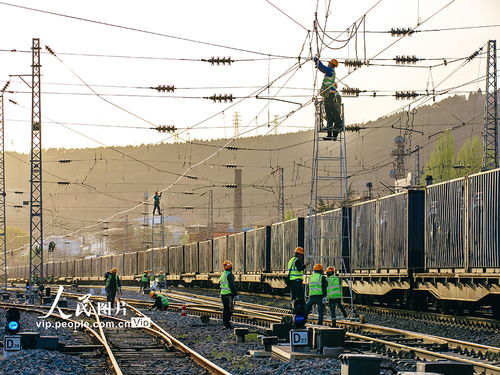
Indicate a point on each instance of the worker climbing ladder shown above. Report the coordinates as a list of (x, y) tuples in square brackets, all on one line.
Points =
[(327, 230)]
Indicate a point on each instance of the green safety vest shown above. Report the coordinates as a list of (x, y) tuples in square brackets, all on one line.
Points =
[(161, 277), (315, 286), (328, 85), (224, 284), (164, 299), (293, 271), (333, 290), (151, 277), (144, 278), (112, 281)]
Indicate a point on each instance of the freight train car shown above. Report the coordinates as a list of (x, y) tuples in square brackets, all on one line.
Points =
[(438, 246)]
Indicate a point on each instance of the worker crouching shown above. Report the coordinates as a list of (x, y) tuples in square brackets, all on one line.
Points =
[(317, 291), (228, 293), (161, 302)]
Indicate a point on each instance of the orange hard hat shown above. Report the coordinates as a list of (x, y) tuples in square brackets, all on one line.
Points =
[(227, 265), (299, 250), (330, 269), (318, 267), (152, 294), (114, 270), (334, 62)]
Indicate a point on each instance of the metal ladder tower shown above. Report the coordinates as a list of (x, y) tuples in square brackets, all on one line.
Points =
[(158, 230), (329, 190), (490, 131), (36, 218), (3, 223)]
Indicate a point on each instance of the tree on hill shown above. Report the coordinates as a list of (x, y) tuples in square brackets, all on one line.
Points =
[(442, 159), (444, 165), (470, 157)]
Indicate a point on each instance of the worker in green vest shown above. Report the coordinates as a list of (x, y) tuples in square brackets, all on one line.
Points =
[(317, 291), (333, 101), (161, 280), (113, 285), (228, 293), (161, 301), (295, 278), (151, 278), (144, 281), (334, 294)]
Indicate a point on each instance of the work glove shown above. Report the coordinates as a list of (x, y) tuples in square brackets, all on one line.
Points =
[(315, 59), (325, 300)]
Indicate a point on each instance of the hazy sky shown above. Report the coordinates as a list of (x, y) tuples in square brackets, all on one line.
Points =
[(246, 25)]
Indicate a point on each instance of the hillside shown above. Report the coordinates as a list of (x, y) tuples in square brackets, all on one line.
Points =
[(105, 181)]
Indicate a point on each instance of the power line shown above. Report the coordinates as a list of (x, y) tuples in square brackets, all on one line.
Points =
[(102, 23)]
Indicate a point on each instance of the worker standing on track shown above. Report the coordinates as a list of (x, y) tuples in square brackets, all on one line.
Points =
[(156, 206), (332, 98), (152, 280), (161, 281), (161, 301), (227, 293), (113, 285), (295, 278), (334, 294), (317, 291), (144, 282)]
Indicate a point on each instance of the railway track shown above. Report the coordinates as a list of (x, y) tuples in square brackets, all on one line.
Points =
[(134, 351), (408, 347)]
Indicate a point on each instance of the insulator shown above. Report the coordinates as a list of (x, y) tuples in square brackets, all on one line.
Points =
[(50, 50), (350, 91), (188, 193), (232, 148), (166, 128), (353, 63), (221, 98), (406, 59), (13, 102), (164, 88), (405, 95), (191, 177), (402, 32), (64, 161), (63, 183), (230, 165), (230, 186), (5, 86), (219, 60), (353, 128)]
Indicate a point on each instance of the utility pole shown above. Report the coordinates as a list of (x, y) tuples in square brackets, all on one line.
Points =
[(36, 217), (238, 210), (145, 223), (211, 214), (490, 132), (281, 195), (417, 169), (3, 223)]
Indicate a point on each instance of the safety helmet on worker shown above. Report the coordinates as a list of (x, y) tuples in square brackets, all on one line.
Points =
[(318, 267), (114, 270), (334, 62), (330, 270), (152, 294), (299, 250), (227, 265)]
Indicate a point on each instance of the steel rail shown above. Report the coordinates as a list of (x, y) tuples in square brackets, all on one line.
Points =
[(102, 340)]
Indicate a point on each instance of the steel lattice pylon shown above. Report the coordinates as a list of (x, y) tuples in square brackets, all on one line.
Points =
[(36, 217), (3, 224), (490, 131)]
